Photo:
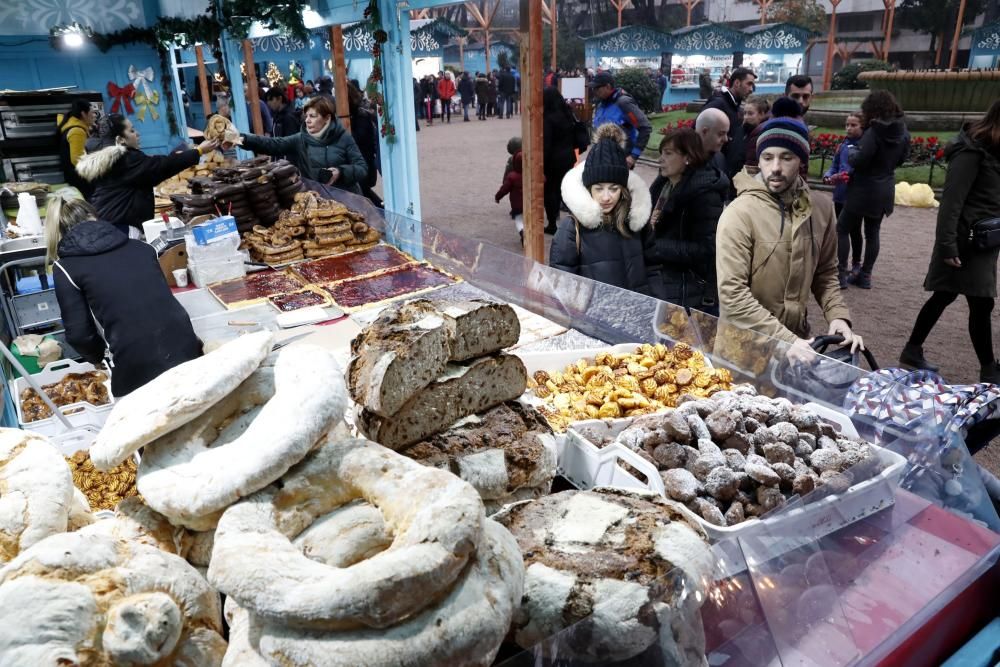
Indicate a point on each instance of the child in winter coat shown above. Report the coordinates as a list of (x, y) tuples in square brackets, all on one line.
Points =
[(609, 207), (839, 175), (513, 188)]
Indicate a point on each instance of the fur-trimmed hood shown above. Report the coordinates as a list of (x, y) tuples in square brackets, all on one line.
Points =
[(588, 212), (93, 166)]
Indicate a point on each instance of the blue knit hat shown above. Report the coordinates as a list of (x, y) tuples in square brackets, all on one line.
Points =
[(789, 133)]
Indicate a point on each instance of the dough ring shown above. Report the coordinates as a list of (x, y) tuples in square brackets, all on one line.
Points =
[(247, 440), (135, 521), (436, 517), (176, 397), (80, 599), (463, 630), (222, 129), (36, 491)]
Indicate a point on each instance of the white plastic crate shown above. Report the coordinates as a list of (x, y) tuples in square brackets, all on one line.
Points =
[(79, 414), (591, 466)]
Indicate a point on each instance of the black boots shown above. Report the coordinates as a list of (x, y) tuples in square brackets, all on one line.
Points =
[(990, 373), (913, 357)]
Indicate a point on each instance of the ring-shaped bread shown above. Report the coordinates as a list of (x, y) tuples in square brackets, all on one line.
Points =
[(465, 629), (247, 440), (36, 491), (90, 599), (436, 520), (176, 397)]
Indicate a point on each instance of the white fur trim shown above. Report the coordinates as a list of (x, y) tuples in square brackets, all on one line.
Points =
[(588, 212), (94, 165)]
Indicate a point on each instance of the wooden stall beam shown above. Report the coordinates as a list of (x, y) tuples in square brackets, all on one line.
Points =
[(340, 76), (253, 93), (531, 130), (890, 6), (555, 34), (206, 99), (764, 6), (831, 37), (958, 35), (689, 5)]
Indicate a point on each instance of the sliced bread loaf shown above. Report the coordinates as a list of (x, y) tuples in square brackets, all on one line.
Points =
[(481, 327), (463, 389)]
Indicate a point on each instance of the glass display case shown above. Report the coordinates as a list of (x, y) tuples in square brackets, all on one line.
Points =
[(895, 569), (773, 69)]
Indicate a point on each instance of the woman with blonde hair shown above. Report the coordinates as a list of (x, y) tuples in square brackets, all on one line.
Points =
[(112, 296), (609, 205)]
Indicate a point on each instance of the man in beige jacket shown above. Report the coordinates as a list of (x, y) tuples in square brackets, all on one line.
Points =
[(776, 244)]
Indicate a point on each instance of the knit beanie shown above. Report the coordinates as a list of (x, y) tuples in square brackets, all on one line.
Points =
[(606, 158), (788, 133)]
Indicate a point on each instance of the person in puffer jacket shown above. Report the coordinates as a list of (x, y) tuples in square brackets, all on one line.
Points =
[(123, 177), (609, 206), (112, 296)]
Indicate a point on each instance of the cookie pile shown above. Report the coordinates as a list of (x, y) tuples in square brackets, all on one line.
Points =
[(736, 456)]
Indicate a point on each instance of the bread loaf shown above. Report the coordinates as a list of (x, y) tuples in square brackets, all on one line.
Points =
[(498, 452), (397, 356), (462, 390), (408, 345), (627, 570)]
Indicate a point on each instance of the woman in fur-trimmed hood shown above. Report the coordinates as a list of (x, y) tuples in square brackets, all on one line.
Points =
[(609, 205), (123, 176)]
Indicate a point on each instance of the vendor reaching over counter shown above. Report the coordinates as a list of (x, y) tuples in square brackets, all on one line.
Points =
[(123, 176), (112, 295), (323, 150), (777, 243)]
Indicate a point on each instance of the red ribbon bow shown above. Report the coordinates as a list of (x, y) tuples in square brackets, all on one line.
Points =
[(122, 96)]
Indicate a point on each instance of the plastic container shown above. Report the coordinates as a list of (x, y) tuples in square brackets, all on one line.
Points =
[(211, 271), (79, 414), (812, 520)]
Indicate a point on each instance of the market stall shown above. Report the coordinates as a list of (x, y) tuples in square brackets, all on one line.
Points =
[(985, 46), (709, 49), (775, 51), (474, 57), (630, 46)]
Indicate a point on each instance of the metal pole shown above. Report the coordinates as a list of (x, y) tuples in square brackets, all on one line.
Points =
[(531, 129), (831, 36), (958, 35), (340, 76), (253, 94), (206, 100)]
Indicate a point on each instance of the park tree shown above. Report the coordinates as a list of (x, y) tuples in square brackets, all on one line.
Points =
[(806, 13), (569, 47), (937, 18)]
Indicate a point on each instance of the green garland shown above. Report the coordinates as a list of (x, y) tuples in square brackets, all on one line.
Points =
[(376, 93)]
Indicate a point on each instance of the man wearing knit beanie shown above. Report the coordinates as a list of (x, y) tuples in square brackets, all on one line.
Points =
[(776, 247)]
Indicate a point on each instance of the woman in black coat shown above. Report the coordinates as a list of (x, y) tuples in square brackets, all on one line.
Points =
[(609, 205), (680, 239), (123, 176), (957, 266), (559, 155), (112, 296), (871, 191)]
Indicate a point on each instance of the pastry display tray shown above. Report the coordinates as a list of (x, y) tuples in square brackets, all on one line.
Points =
[(79, 414)]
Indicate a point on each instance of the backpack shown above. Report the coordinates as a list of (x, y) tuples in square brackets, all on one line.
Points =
[(936, 426)]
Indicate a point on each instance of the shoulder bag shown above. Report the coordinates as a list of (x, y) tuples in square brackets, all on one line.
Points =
[(985, 234)]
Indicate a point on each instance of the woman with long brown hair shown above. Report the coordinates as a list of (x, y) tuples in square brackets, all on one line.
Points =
[(609, 206), (958, 265)]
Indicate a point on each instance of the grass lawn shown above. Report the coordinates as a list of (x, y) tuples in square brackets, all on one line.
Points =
[(909, 174)]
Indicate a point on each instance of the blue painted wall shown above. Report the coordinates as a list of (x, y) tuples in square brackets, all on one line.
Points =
[(28, 65)]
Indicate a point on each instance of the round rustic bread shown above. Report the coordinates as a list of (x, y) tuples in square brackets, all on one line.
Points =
[(137, 522), (80, 599), (36, 491), (436, 519), (176, 397), (245, 441), (607, 562), (500, 451)]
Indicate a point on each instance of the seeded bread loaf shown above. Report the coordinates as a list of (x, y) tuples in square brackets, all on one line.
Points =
[(410, 344), (462, 390), (499, 451)]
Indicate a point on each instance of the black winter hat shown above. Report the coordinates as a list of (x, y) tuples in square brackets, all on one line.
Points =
[(606, 158)]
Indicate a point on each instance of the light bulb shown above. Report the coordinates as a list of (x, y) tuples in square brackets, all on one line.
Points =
[(73, 39)]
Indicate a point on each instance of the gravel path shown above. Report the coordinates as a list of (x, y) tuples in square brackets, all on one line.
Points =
[(462, 167)]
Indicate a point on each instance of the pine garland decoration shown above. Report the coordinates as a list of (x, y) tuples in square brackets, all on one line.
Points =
[(375, 91)]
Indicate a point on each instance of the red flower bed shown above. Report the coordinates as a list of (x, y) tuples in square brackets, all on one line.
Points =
[(923, 150)]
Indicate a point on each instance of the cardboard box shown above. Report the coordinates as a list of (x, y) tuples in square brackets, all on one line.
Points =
[(214, 230)]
